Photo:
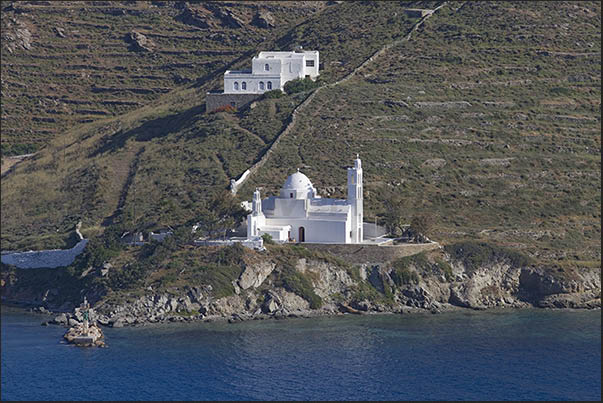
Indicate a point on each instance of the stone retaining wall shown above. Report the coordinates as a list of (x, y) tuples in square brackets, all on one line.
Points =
[(359, 254), (256, 243)]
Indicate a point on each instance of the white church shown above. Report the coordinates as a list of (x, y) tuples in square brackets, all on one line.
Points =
[(271, 70), (299, 214)]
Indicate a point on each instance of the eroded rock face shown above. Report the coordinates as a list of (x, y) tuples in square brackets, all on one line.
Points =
[(225, 15), (486, 287), (192, 17), (578, 288), (254, 275), (361, 289), (327, 279), (16, 35)]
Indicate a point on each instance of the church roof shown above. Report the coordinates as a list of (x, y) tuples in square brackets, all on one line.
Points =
[(298, 181)]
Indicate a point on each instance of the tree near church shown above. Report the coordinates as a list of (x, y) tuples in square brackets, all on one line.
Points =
[(394, 214), (220, 213), (420, 226)]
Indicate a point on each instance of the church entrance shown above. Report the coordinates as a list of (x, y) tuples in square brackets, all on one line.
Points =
[(302, 234)]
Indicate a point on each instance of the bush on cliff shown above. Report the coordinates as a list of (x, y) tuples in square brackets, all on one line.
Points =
[(402, 274), (296, 282), (477, 254)]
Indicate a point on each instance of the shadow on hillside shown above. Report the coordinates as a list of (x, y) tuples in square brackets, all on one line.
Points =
[(150, 130)]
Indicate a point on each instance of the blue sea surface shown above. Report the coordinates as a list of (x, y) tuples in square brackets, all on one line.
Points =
[(491, 355)]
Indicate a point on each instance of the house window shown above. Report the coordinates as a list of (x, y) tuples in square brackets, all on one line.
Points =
[(236, 86), (244, 85), (261, 85), (291, 195), (267, 67), (309, 63), (269, 85)]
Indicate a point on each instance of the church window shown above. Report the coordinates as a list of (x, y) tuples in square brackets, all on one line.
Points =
[(244, 85), (269, 85), (236, 86), (261, 85), (350, 234), (267, 67)]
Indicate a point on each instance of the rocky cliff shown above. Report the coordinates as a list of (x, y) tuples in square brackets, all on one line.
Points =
[(306, 283)]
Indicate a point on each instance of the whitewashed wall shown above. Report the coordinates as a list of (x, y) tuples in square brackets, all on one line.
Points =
[(44, 258)]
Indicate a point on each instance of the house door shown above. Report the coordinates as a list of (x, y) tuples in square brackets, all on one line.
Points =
[(302, 234)]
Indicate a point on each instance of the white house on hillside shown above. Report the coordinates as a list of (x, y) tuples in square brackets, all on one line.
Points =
[(270, 71), (298, 214)]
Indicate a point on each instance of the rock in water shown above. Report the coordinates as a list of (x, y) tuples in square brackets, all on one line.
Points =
[(61, 319), (94, 337)]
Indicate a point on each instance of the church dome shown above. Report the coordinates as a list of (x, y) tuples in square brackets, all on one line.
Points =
[(298, 186)]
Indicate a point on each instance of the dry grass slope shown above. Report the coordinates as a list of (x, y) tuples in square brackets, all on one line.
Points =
[(488, 118)]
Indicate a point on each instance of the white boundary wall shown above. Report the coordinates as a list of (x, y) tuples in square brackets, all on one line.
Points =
[(44, 258)]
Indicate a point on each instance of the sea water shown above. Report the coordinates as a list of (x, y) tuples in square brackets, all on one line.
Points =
[(492, 355)]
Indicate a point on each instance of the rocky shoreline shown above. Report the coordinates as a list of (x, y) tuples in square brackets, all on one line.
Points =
[(315, 286), (69, 320)]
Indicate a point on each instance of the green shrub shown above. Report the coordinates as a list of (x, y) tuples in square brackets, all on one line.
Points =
[(560, 91), (268, 239), (300, 85), (220, 278), (296, 282), (477, 254), (365, 291), (273, 94), (18, 149), (402, 274), (445, 268), (229, 255)]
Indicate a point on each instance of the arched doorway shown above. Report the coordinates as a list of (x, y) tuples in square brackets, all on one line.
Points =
[(302, 234)]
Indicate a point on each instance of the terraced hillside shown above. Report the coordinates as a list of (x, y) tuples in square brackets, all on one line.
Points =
[(73, 62), (489, 119), (155, 165)]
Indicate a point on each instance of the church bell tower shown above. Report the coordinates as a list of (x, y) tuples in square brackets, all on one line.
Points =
[(256, 219), (355, 199)]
